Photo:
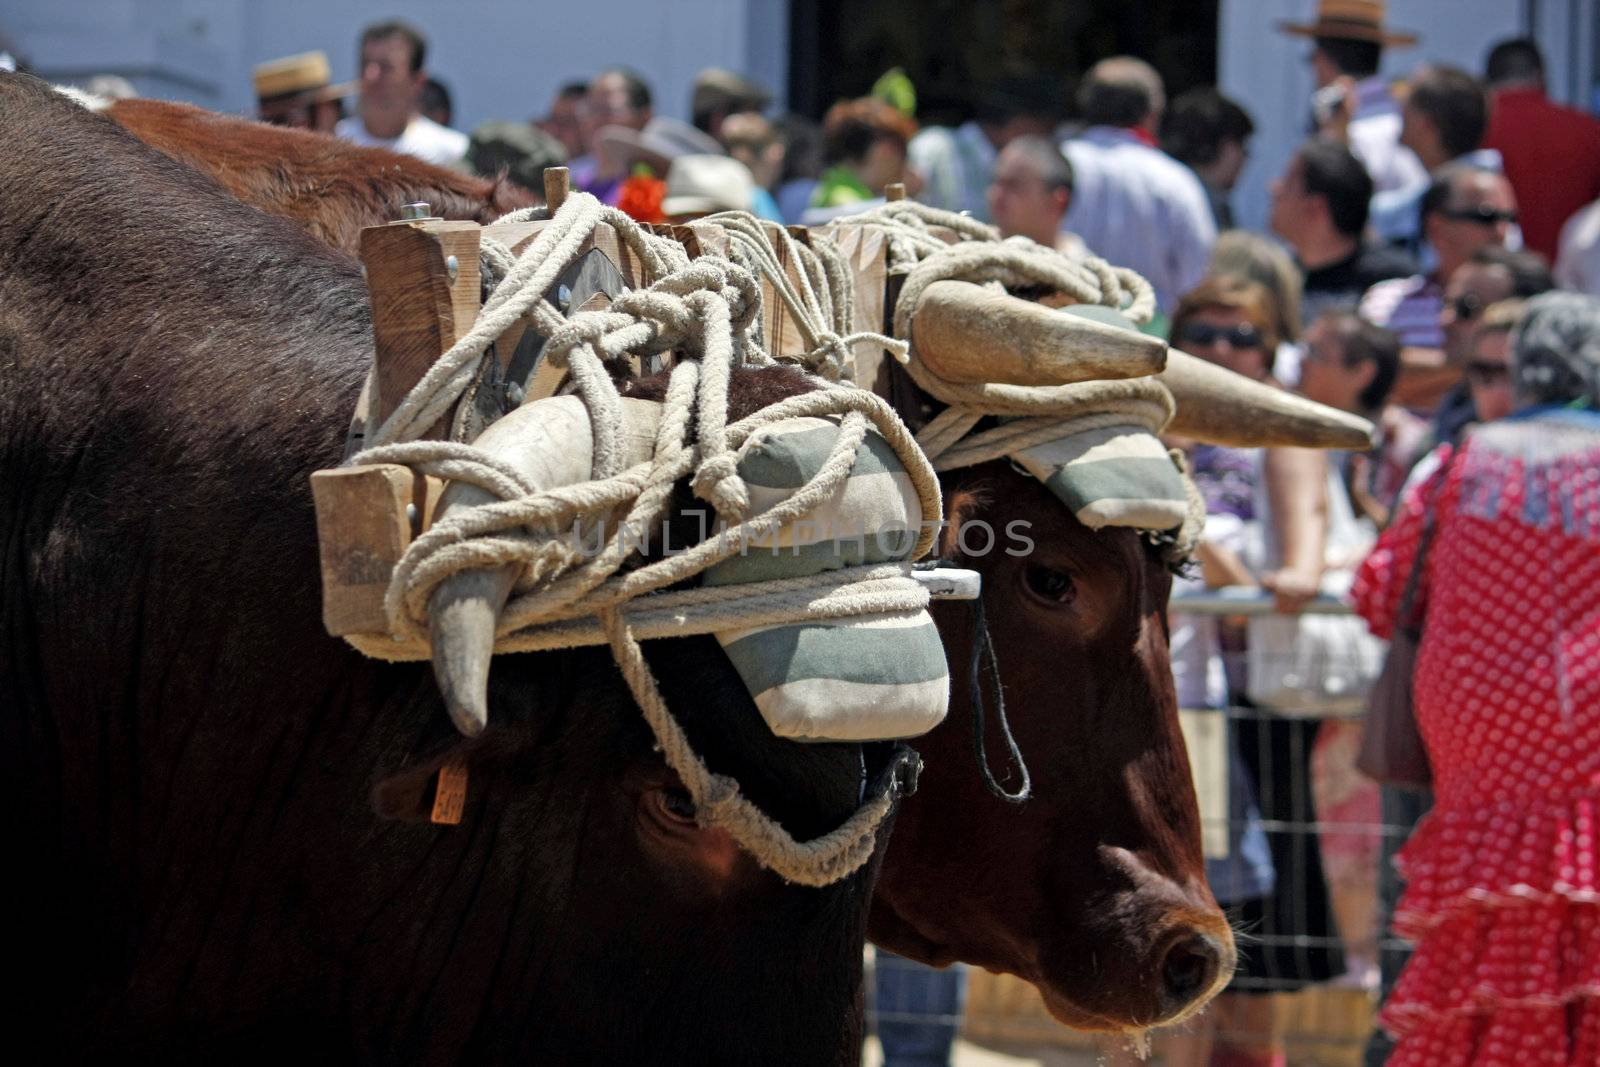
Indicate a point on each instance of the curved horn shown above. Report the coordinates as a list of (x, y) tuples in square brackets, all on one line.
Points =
[(551, 443), (1221, 407), (973, 335)]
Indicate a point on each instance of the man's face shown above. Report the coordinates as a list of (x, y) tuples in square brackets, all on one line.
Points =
[(1478, 213), (1417, 131), (387, 80), (607, 105), (1019, 199), (1289, 201), (1326, 376), (1489, 375), (1323, 72), (1473, 287), (565, 124), (1231, 158)]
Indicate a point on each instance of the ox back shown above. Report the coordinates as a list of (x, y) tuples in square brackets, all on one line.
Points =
[(190, 763), (331, 187)]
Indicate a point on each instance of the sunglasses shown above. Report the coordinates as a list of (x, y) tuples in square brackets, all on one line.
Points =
[(1204, 335), (1482, 214), (1485, 374), (1467, 306)]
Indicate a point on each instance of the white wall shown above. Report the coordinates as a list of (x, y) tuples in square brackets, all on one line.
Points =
[(1267, 71), (501, 58)]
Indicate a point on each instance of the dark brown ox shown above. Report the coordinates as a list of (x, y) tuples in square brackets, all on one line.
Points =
[(331, 187), (189, 762)]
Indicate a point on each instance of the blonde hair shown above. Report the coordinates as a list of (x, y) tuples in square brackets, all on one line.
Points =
[(1263, 261)]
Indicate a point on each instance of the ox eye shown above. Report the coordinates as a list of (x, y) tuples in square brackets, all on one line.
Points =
[(1051, 586), (677, 803)]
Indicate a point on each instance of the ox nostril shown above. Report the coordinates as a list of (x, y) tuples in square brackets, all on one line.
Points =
[(1188, 970)]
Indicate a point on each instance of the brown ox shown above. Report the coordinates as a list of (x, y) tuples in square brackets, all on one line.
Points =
[(330, 187), (1094, 890)]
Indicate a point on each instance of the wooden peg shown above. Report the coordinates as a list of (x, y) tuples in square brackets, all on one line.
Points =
[(894, 191), (557, 184), (423, 278)]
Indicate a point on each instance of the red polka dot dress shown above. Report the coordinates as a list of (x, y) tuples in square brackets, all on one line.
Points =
[(1502, 882)]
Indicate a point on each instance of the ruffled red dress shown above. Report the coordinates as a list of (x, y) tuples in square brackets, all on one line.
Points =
[(1503, 886)]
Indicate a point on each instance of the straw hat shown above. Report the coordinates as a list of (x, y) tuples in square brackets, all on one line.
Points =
[(296, 80), (1352, 20), (702, 184)]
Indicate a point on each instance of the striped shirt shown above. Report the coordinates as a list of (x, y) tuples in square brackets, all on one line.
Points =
[(1408, 306)]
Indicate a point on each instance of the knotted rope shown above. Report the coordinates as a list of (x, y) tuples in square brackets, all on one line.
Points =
[(564, 596), (822, 303)]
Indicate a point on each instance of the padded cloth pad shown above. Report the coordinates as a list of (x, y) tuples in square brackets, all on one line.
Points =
[(870, 677), (1111, 476)]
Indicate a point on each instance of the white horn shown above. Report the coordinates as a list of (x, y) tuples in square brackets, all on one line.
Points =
[(1223, 408), (551, 443), (974, 335)]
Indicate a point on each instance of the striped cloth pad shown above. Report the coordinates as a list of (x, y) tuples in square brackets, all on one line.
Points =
[(1118, 475), (1110, 475), (870, 677)]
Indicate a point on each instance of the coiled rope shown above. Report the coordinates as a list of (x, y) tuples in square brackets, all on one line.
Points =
[(564, 596)]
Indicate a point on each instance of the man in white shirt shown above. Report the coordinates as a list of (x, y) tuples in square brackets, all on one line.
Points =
[(391, 83), (1132, 203)]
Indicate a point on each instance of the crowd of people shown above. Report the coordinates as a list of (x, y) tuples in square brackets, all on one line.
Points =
[(1434, 266)]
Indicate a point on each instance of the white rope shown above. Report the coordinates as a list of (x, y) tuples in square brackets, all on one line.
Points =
[(821, 304), (565, 596)]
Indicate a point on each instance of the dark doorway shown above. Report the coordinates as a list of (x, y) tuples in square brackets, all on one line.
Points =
[(950, 47)]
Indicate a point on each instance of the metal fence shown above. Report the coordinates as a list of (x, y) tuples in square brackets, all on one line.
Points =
[(1272, 787)]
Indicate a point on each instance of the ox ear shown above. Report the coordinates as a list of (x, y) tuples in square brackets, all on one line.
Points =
[(1223, 408), (974, 335)]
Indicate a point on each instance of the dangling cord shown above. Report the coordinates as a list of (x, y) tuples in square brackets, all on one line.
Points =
[(983, 647)]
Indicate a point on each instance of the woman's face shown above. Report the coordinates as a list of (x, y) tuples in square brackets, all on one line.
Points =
[(1228, 338)]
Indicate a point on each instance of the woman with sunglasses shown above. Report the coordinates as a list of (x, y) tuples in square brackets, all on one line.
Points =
[(1271, 882), (1502, 889)]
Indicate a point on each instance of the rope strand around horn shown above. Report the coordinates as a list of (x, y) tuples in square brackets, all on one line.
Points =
[(709, 309)]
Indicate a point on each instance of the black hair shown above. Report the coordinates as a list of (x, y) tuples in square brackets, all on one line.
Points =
[(436, 97), (1530, 274), (1362, 340), (639, 97), (1333, 172), (1120, 91), (1358, 59), (1455, 103), (1517, 59), (1199, 122), (418, 44), (572, 90), (1444, 182)]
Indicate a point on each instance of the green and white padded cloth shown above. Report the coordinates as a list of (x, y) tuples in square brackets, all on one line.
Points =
[(869, 677)]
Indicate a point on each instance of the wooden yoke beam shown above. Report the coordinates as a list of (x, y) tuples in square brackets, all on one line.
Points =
[(423, 278)]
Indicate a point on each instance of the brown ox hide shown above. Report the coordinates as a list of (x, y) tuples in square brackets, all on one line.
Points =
[(331, 187), (1095, 889), (1041, 890), (189, 763)]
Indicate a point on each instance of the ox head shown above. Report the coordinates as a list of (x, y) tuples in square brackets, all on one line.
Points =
[(1094, 889), (667, 931)]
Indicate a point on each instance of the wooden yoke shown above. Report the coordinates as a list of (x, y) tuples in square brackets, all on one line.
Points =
[(423, 277)]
